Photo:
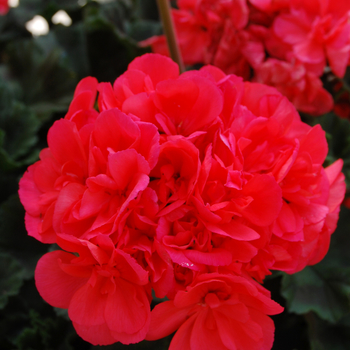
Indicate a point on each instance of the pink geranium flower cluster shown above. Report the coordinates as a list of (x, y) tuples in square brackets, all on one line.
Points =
[(285, 44), (194, 186)]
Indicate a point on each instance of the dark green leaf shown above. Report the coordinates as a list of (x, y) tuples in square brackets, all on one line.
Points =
[(43, 333), (315, 289), (147, 9), (143, 29), (325, 287), (11, 277), (117, 13), (326, 336), (73, 41), (14, 238), (18, 128), (27, 10), (43, 73), (109, 50)]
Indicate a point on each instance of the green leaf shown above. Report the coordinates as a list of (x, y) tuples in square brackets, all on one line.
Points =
[(11, 278), (318, 290), (325, 287), (109, 50), (18, 129), (116, 13), (14, 238), (41, 68), (43, 333), (326, 336), (147, 9), (66, 5), (73, 41), (143, 29), (62, 313), (20, 126), (29, 8)]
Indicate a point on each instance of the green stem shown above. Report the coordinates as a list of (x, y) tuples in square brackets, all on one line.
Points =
[(169, 31)]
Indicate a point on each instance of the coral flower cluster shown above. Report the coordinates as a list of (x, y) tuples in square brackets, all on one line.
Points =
[(193, 186), (285, 44)]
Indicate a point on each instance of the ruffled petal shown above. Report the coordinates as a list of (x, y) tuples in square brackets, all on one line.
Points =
[(54, 285)]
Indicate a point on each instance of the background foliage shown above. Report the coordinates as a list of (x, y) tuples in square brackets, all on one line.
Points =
[(37, 80)]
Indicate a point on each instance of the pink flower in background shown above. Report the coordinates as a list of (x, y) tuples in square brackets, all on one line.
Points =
[(285, 44), (318, 32), (211, 32), (302, 88), (4, 7), (238, 51)]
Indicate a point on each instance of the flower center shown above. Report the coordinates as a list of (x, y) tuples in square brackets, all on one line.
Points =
[(212, 300)]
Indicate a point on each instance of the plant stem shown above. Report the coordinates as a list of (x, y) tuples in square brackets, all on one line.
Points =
[(169, 30)]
